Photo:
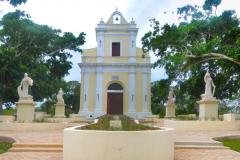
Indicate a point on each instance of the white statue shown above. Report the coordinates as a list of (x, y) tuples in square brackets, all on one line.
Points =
[(60, 96), (23, 88), (208, 86), (171, 97)]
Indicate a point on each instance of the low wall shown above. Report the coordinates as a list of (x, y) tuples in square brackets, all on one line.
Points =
[(39, 116), (202, 125), (5, 118), (237, 116), (34, 126), (114, 145), (62, 120)]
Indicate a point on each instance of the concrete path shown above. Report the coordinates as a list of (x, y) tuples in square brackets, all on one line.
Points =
[(201, 136), (206, 154), (31, 156), (35, 137), (180, 154)]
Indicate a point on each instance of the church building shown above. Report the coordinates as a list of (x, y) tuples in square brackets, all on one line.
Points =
[(115, 76)]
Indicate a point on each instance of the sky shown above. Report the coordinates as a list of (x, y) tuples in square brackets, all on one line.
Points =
[(83, 16)]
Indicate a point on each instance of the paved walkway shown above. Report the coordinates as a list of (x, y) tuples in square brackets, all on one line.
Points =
[(180, 154), (31, 156), (201, 136), (206, 154), (35, 137)]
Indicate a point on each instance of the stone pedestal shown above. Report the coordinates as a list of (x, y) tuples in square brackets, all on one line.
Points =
[(39, 116), (60, 110), (229, 117), (170, 111), (25, 109), (208, 108)]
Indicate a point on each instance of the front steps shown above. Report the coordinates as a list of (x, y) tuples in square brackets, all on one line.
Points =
[(199, 145), (43, 147), (50, 147)]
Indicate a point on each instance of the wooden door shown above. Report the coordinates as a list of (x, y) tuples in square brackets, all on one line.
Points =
[(115, 103)]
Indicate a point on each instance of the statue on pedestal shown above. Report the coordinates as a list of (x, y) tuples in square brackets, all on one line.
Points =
[(60, 96), (208, 105), (170, 108), (60, 106), (209, 92), (171, 97), (23, 88), (25, 106)]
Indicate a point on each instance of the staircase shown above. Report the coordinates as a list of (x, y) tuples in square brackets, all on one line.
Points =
[(43, 147), (51, 147), (199, 145)]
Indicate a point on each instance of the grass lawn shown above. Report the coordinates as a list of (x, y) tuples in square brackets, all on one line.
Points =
[(4, 146), (234, 144), (128, 124), (8, 111)]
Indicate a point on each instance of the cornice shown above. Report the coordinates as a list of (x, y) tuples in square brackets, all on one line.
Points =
[(148, 65)]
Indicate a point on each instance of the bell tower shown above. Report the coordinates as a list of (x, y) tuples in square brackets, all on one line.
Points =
[(115, 77)]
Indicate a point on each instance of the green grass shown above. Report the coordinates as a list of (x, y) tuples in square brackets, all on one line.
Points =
[(128, 124), (4, 146), (8, 111), (234, 144)]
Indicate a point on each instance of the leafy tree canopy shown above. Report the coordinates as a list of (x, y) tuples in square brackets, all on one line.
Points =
[(201, 41), (72, 95), (39, 50), (190, 48), (15, 2)]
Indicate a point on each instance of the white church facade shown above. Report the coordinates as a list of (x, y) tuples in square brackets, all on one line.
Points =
[(115, 78)]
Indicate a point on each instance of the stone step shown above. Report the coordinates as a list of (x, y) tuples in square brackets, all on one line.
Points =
[(38, 149), (36, 145), (199, 147), (200, 143)]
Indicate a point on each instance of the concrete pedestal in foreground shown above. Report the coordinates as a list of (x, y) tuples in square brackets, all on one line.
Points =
[(118, 145), (25, 110), (208, 108), (60, 110), (170, 111)]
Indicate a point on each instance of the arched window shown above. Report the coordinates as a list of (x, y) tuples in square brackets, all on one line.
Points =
[(115, 86)]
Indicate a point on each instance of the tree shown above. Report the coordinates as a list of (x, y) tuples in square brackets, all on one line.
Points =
[(159, 96), (15, 2), (39, 50), (206, 42), (201, 41), (211, 3), (72, 96)]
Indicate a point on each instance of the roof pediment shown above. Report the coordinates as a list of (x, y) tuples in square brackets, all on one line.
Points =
[(117, 18)]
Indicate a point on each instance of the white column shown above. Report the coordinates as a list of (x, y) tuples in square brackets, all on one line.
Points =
[(145, 95), (100, 46), (131, 92), (85, 93), (99, 92), (132, 47)]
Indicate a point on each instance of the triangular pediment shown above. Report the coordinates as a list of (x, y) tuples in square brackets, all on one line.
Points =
[(117, 18)]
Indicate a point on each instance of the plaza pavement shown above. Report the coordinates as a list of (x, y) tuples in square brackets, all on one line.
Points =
[(56, 137)]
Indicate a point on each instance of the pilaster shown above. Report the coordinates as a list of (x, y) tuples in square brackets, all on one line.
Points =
[(131, 91), (99, 93)]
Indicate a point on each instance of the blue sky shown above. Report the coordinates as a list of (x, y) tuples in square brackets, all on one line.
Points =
[(82, 16)]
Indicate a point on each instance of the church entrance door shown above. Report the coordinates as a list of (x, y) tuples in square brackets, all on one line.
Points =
[(115, 99)]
